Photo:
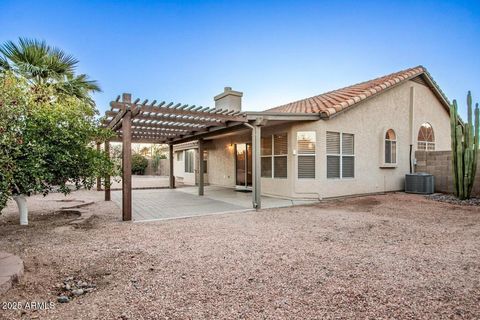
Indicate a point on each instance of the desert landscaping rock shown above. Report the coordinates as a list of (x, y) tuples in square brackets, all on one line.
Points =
[(454, 200), (395, 256), (63, 299)]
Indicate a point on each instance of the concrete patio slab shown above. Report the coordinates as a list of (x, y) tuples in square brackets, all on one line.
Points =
[(184, 202), (168, 204), (11, 269)]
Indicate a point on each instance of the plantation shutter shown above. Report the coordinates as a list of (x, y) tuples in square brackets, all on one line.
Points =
[(280, 144), (306, 154), (280, 149), (333, 167), (266, 164), (348, 167), (306, 167), (266, 146), (388, 151), (333, 143), (347, 144), (280, 167)]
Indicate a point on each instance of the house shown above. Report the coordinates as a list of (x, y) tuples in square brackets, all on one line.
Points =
[(355, 140)]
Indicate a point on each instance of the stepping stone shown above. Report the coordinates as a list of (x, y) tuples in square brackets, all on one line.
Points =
[(11, 269)]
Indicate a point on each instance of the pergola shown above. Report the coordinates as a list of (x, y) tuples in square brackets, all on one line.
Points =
[(169, 123)]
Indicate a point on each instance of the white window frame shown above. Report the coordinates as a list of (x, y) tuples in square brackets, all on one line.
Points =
[(427, 143), (307, 154), (192, 152), (384, 163), (273, 155), (341, 155)]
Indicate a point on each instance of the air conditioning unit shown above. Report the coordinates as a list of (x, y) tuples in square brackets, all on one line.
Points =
[(419, 182)]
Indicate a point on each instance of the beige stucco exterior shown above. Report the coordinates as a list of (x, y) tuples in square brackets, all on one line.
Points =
[(368, 121)]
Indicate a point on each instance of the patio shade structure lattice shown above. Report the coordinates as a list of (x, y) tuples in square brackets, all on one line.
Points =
[(166, 122), (170, 123)]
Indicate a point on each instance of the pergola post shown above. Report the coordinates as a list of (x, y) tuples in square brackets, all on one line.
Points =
[(201, 167), (171, 173), (99, 179), (107, 178), (256, 164), (127, 162)]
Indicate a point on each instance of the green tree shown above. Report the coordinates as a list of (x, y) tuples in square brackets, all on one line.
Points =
[(42, 65), (139, 164), (47, 140)]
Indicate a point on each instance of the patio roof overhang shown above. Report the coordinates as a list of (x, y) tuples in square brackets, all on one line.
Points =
[(144, 122), (168, 122)]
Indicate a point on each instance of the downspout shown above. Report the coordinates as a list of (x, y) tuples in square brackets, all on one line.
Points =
[(410, 119)]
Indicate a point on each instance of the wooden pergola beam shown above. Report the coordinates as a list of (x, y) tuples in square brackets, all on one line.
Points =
[(219, 114), (169, 126)]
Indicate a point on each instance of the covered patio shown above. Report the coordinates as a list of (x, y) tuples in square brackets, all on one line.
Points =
[(162, 204), (169, 123)]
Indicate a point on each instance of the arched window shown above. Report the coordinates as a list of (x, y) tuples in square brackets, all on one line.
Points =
[(390, 147), (426, 138)]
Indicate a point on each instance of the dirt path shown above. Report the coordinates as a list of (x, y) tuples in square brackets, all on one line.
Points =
[(386, 257)]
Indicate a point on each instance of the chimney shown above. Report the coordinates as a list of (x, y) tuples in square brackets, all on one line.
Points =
[(229, 99)]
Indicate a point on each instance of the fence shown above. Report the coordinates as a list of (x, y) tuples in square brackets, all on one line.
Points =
[(439, 164), (163, 168)]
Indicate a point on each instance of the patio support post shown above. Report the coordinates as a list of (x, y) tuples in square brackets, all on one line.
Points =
[(257, 182), (171, 173), (127, 162), (99, 179), (201, 166), (107, 178)]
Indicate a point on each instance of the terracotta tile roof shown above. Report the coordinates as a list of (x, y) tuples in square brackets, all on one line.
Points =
[(330, 103)]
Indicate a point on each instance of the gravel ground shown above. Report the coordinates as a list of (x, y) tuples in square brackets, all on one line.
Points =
[(395, 256), (454, 200)]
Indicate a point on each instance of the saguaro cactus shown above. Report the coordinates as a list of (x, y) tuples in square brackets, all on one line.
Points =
[(465, 139)]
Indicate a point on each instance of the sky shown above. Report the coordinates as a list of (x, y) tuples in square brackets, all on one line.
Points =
[(273, 51)]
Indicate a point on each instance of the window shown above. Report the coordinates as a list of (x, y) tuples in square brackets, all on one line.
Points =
[(205, 163), (426, 138), (274, 151), (306, 154), (179, 155), (340, 155), (189, 160), (390, 147)]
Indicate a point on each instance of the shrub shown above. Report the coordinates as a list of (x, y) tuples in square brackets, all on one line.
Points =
[(139, 164)]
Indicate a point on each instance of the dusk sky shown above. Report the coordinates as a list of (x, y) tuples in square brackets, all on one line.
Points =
[(275, 52)]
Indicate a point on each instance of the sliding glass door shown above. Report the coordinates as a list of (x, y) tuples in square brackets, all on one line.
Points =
[(243, 164)]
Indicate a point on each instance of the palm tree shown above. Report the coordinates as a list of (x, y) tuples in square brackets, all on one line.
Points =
[(42, 64)]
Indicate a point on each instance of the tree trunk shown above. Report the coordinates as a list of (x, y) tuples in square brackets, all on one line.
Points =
[(21, 201)]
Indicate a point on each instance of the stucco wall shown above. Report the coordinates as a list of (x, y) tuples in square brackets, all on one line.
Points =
[(221, 159), (369, 121)]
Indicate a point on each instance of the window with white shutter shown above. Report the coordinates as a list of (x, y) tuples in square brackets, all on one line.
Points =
[(274, 153), (306, 154), (340, 155)]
